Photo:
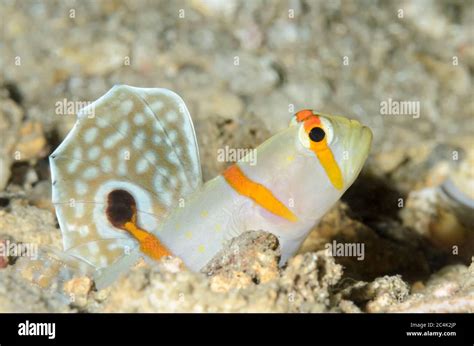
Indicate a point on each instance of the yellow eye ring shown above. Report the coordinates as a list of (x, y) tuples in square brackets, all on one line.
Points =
[(303, 137)]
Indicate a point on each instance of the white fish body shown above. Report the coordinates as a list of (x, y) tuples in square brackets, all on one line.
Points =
[(137, 155)]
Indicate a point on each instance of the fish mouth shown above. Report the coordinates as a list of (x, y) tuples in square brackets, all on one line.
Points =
[(366, 136), (359, 142)]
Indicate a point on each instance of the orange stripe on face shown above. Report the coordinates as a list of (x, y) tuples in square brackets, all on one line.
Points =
[(329, 163), (303, 115), (311, 122), (324, 154), (256, 192)]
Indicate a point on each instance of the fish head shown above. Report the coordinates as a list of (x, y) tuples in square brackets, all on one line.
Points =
[(338, 145), (315, 160), (309, 165)]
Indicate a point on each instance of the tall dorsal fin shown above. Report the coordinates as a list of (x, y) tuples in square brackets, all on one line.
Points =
[(140, 140)]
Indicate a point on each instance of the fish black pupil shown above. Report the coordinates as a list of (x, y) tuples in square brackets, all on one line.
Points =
[(317, 134)]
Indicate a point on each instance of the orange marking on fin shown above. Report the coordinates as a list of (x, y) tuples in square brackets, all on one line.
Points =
[(149, 244), (257, 192), (122, 213)]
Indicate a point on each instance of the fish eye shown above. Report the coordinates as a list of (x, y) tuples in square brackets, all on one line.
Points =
[(328, 129), (317, 134), (303, 137), (323, 131)]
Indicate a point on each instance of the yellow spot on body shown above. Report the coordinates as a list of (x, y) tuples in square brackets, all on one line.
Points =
[(201, 248), (204, 213), (290, 158), (218, 228), (188, 235)]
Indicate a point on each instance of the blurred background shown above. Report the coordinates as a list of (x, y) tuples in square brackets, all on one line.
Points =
[(244, 60), (243, 68)]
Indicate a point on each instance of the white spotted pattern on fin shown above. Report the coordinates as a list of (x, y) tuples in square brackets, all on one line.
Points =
[(137, 139)]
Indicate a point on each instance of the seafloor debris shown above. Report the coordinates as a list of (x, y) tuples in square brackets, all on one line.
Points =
[(449, 290), (377, 295), (302, 286), (29, 224), (382, 253), (10, 121), (4, 258), (22, 140), (245, 260), (443, 213)]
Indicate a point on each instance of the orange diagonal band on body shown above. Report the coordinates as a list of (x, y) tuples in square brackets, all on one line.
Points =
[(256, 192)]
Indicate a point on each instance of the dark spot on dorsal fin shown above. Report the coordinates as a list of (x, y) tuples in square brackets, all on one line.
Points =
[(121, 207)]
